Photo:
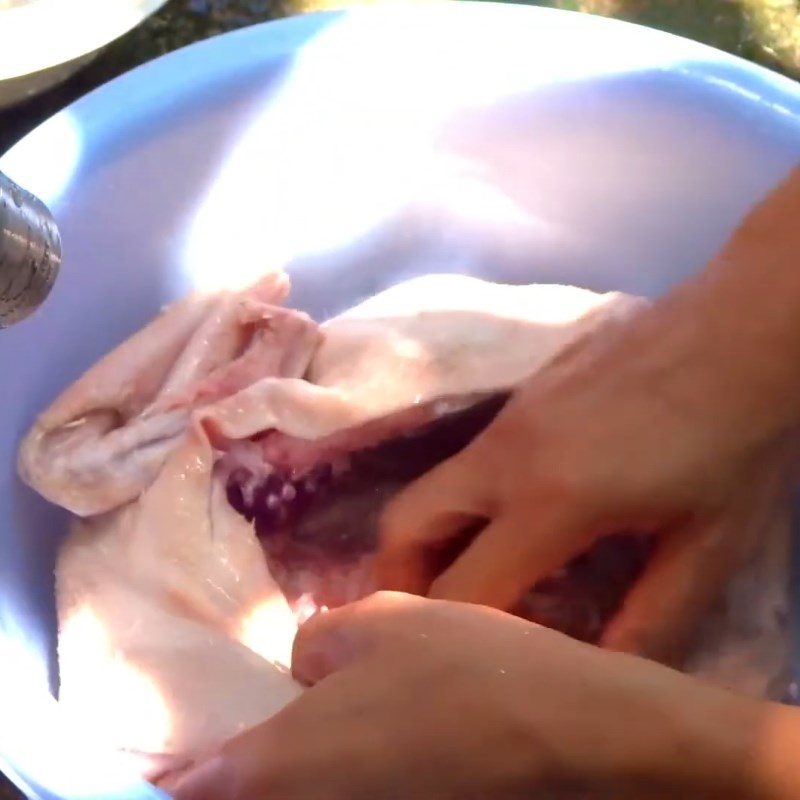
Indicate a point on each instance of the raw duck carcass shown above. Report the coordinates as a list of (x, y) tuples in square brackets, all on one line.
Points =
[(226, 468)]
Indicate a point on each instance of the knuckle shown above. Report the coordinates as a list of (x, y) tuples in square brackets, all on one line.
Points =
[(559, 484)]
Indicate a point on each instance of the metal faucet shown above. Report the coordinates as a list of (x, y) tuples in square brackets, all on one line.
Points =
[(30, 252)]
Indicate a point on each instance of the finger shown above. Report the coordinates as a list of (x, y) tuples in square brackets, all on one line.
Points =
[(301, 752), (428, 513), (410, 566), (332, 641), (509, 557), (687, 572), (250, 766), (212, 779)]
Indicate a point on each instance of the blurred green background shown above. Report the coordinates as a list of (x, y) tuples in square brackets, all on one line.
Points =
[(764, 31)]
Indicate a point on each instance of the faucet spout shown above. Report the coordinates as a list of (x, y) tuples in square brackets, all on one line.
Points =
[(30, 252)]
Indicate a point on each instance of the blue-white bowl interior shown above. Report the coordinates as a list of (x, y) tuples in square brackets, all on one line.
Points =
[(359, 148)]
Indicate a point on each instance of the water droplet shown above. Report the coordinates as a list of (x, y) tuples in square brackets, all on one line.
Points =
[(441, 408)]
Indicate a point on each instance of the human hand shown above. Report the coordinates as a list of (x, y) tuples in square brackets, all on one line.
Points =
[(639, 427), (413, 698)]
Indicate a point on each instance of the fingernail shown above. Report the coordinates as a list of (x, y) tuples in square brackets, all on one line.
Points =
[(203, 780)]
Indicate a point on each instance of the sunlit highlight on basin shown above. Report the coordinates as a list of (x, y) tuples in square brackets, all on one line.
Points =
[(351, 136)]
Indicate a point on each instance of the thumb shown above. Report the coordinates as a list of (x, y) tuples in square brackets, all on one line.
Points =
[(331, 641)]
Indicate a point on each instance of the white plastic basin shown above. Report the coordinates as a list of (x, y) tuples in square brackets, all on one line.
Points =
[(360, 148)]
